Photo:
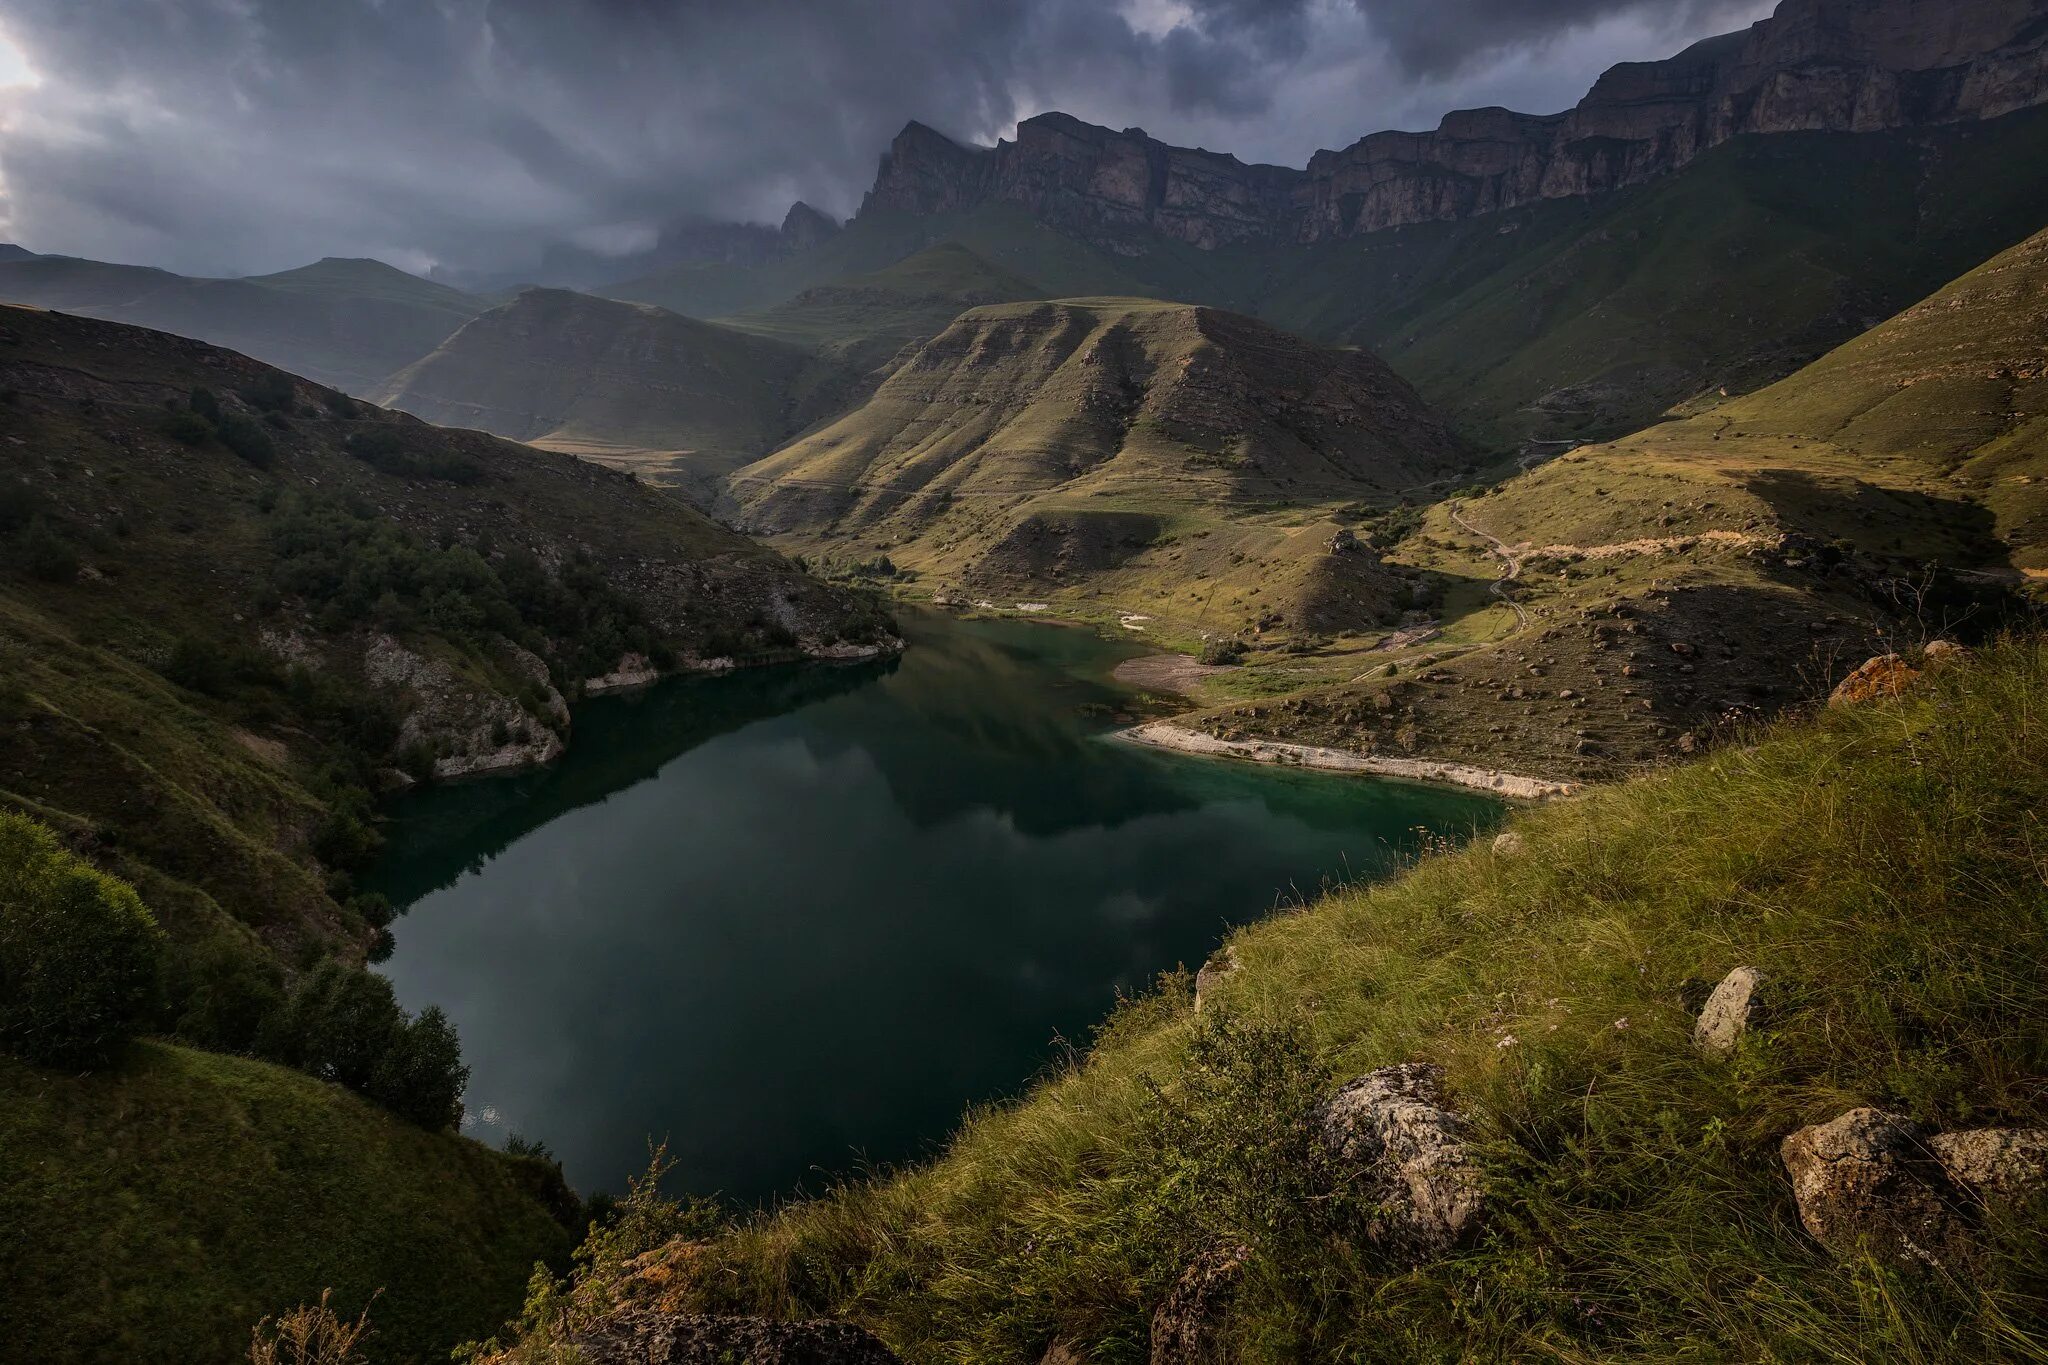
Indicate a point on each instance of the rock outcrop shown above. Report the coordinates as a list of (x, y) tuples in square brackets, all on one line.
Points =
[(469, 729), (1887, 675), (1868, 1181), (1223, 962), (1998, 1166), (1409, 1147), (639, 1338), (1815, 65)]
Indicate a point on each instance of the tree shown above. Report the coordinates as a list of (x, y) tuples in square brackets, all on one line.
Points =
[(79, 953), (421, 1077)]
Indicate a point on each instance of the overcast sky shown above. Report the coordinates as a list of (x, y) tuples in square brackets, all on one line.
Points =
[(235, 136)]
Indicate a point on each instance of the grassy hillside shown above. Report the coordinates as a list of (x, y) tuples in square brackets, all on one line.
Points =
[(1109, 451), (1708, 568), (866, 320), (347, 324), (154, 1211), (1877, 863), (220, 632), (678, 398)]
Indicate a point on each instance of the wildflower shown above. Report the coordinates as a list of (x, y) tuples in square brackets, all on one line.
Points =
[(1507, 1041), (1621, 1024)]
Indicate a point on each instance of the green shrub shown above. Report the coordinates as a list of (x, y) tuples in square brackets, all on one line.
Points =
[(47, 555), (187, 427), (79, 955), (203, 403), (274, 392), (345, 1025), (248, 440)]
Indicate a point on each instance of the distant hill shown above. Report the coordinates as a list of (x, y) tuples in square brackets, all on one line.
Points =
[(10, 252), (1064, 446), (867, 319), (607, 378), (345, 323)]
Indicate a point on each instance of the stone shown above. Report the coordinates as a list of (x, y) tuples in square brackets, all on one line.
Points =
[(1221, 963), (1935, 653), (1394, 1127), (1999, 1166), (1729, 1012), (1509, 844), (649, 1338), (1887, 675), (1866, 1181), (1187, 1324)]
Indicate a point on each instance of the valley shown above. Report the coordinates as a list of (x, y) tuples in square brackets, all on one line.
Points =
[(1120, 755)]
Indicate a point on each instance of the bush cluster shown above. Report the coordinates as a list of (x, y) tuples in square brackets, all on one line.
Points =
[(344, 1025), (79, 955)]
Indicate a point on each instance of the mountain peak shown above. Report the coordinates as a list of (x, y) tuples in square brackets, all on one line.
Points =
[(803, 227)]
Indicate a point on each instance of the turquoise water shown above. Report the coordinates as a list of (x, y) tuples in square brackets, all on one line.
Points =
[(797, 920)]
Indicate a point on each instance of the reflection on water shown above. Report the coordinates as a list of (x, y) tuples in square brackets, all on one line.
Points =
[(791, 919)]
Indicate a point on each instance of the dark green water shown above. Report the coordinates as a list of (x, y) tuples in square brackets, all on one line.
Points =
[(794, 919)]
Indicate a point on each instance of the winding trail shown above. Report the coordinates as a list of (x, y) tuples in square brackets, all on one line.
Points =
[(1511, 564)]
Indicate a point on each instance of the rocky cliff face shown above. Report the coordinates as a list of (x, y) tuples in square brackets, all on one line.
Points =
[(1815, 65)]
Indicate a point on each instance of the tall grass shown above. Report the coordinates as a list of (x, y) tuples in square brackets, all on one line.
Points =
[(1884, 866)]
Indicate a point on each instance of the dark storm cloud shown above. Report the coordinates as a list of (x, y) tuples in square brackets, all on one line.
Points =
[(226, 135)]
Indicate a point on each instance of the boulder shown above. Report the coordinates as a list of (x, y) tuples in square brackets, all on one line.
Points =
[(1222, 963), (649, 1338), (1936, 653), (1393, 1126), (1998, 1166), (1887, 675), (1729, 1012), (1509, 844), (1187, 1324), (1867, 1181)]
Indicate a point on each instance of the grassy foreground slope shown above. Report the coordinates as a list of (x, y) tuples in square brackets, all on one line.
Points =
[(1881, 864), (153, 1211)]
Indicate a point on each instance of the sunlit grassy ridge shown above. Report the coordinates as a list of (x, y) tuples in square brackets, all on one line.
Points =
[(1883, 865)]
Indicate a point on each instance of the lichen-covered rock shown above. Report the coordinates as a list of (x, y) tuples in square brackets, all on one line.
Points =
[(648, 1338), (1221, 963), (2001, 1166), (1410, 1148), (1867, 1181), (1730, 1010), (1936, 653), (1887, 675), (1508, 844), (1186, 1326)]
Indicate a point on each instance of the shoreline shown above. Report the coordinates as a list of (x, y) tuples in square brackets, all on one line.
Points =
[(1165, 734)]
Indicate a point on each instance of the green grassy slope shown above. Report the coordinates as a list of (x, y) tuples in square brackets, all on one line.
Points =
[(577, 372), (204, 726), (348, 324), (1107, 450), (154, 1211), (1879, 864), (866, 320), (1775, 537)]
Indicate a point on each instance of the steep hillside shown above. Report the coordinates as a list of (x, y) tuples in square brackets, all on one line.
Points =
[(153, 1211), (1066, 448), (231, 603), (347, 324), (867, 320), (1582, 1179), (1709, 568), (681, 399)]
